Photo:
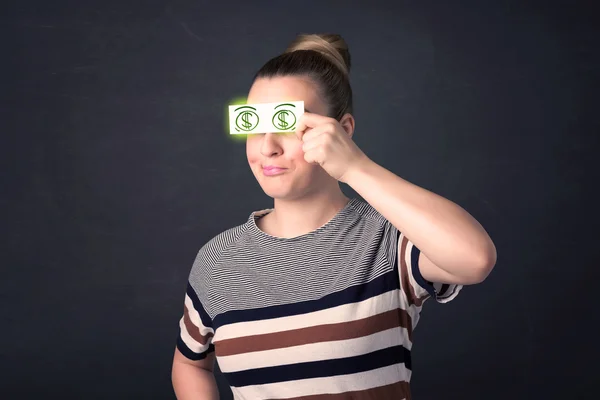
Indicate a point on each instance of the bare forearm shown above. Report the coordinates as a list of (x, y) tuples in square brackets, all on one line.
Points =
[(448, 235), (193, 383)]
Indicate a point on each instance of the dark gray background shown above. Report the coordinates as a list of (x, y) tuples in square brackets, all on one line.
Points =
[(117, 168)]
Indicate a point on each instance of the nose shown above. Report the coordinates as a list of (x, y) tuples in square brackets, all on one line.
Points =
[(270, 145)]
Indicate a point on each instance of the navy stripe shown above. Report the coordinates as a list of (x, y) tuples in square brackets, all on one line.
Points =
[(317, 369), (444, 289), (186, 351), (397, 259), (377, 286), (204, 317), (414, 260), (449, 293)]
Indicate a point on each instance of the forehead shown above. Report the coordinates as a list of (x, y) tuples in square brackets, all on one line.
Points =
[(288, 88)]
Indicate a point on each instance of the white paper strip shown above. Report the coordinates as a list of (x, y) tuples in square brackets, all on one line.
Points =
[(245, 119)]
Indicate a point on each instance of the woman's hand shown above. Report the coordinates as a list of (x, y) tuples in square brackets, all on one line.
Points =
[(325, 142)]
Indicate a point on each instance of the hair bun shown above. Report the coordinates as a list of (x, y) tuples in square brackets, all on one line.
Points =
[(330, 45)]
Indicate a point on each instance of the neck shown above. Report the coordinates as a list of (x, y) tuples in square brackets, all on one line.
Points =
[(291, 218)]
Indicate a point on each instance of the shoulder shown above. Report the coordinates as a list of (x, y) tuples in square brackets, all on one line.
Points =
[(211, 252), (362, 210), (373, 230)]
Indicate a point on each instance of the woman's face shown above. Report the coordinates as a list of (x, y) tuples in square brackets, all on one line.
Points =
[(297, 177)]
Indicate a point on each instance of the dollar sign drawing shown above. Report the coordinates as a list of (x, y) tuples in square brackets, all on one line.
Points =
[(282, 122), (246, 120)]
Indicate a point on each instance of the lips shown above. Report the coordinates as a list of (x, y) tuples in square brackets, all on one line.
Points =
[(270, 170)]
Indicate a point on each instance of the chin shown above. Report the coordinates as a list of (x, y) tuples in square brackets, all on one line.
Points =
[(279, 193)]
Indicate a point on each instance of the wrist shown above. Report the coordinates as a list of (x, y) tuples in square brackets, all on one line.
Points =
[(358, 169)]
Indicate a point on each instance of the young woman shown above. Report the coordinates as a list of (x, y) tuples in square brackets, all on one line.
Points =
[(318, 297)]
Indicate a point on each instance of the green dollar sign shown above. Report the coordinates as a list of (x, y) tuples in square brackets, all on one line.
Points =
[(246, 119), (282, 122)]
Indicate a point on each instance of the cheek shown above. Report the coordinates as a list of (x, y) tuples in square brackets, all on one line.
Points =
[(296, 153), (307, 170), (252, 151)]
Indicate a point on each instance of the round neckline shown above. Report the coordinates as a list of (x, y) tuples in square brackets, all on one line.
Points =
[(255, 215)]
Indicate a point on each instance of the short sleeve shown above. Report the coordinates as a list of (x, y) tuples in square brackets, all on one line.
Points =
[(415, 288), (195, 328)]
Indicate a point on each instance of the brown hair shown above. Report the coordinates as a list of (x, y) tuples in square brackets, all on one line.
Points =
[(325, 59)]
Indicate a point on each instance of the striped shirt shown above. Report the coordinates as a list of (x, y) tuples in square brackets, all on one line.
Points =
[(326, 315)]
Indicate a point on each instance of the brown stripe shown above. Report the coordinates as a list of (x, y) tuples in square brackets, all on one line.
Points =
[(316, 334), (408, 289), (405, 322), (193, 330), (396, 391)]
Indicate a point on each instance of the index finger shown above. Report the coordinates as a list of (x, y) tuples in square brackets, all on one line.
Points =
[(307, 121)]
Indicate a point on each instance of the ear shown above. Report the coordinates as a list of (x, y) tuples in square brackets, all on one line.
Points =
[(347, 122)]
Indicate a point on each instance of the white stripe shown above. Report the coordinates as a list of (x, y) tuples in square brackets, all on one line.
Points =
[(343, 313), (331, 384), (419, 290), (316, 351), (413, 310), (193, 313), (192, 344), (454, 290)]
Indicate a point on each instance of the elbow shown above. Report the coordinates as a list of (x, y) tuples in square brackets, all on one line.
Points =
[(483, 265)]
